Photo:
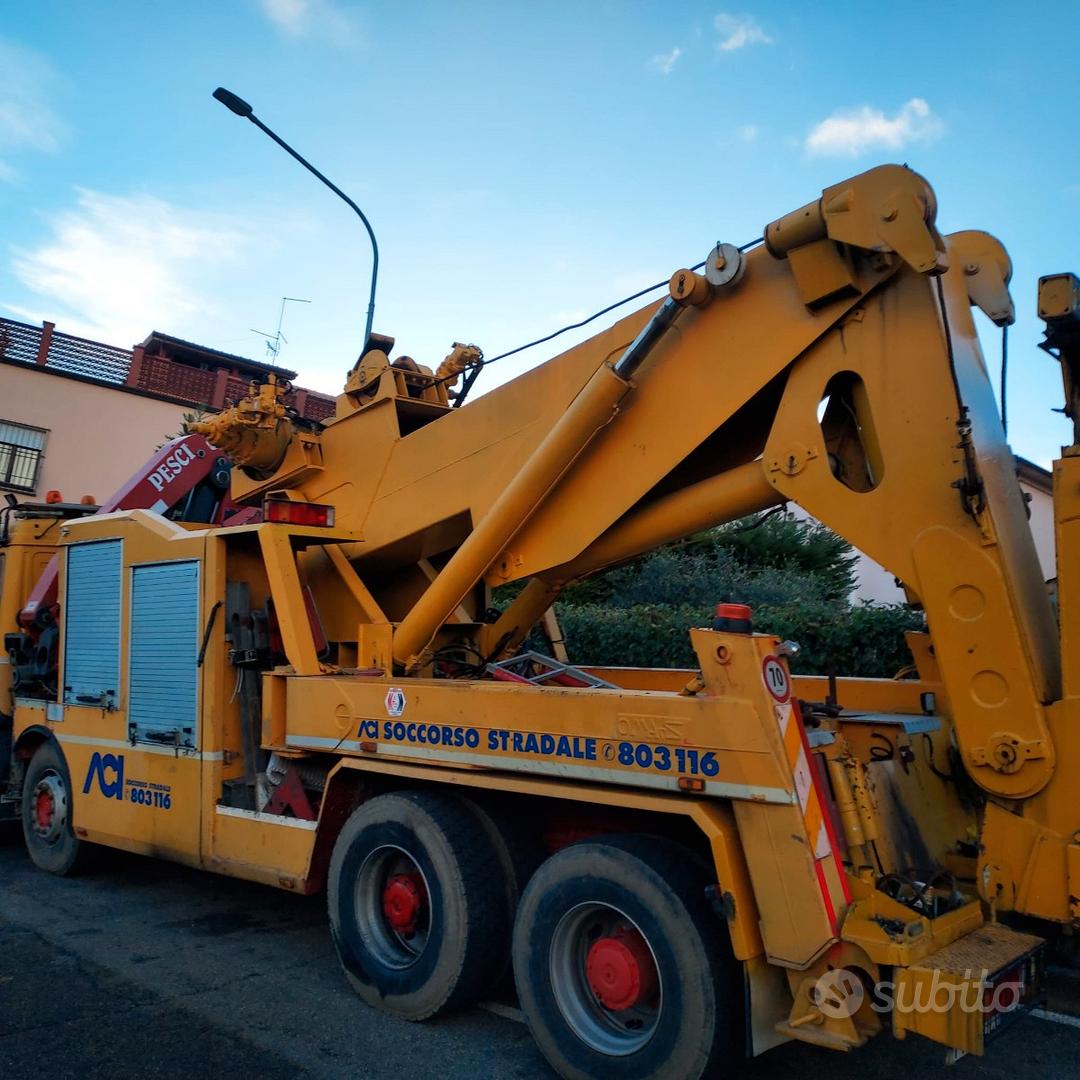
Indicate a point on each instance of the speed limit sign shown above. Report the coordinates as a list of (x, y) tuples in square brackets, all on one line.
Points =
[(776, 678)]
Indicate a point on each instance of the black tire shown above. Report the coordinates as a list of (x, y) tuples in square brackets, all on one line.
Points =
[(520, 852), (435, 848), (50, 840), (684, 1016)]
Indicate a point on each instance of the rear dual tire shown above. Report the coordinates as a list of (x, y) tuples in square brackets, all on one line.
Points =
[(622, 968), (418, 903)]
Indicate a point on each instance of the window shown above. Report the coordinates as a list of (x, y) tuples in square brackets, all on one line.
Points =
[(21, 448)]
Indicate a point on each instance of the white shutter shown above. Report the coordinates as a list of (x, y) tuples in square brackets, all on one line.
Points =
[(91, 614), (18, 435), (163, 652)]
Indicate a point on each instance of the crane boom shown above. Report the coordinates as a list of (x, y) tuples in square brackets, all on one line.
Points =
[(578, 463)]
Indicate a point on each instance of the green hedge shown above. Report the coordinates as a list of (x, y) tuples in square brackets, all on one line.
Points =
[(863, 639)]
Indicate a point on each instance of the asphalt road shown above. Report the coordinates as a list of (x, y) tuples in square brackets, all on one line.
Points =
[(143, 969)]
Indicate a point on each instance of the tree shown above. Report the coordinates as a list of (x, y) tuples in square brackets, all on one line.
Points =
[(198, 416), (783, 542)]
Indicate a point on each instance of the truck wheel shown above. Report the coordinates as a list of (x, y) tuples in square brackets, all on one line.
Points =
[(417, 903), (46, 813), (622, 968)]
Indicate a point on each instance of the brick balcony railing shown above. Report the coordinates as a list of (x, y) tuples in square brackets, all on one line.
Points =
[(158, 376)]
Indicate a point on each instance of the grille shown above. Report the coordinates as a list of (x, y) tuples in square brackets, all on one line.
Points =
[(91, 359)]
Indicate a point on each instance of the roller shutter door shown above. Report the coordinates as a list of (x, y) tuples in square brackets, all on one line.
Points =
[(91, 613), (164, 649)]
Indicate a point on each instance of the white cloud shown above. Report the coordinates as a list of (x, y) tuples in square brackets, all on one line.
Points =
[(738, 31), (665, 62), (26, 120), (748, 132), (290, 15), (304, 18), (117, 267), (848, 133)]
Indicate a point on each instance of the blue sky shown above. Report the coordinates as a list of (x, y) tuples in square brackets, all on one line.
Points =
[(523, 164)]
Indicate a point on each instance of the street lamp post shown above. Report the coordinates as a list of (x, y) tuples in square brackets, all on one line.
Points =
[(242, 108)]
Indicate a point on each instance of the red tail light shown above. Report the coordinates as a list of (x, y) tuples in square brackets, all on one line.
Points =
[(283, 511)]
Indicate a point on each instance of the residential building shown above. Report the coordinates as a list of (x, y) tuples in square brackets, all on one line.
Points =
[(79, 416)]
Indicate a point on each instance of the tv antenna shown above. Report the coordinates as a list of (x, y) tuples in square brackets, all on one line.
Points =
[(275, 340)]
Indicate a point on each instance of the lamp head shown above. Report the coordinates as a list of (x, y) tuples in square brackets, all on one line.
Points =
[(232, 102)]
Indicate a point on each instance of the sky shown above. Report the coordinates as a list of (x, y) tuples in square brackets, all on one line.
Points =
[(523, 164)]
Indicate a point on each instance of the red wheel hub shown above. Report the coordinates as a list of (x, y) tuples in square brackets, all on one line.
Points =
[(621, 970), (44, 808), (402, 901)]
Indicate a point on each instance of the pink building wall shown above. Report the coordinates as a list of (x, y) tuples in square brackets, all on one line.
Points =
[(97, 436)]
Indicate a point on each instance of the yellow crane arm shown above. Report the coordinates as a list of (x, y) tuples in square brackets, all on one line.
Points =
[(836, 366)]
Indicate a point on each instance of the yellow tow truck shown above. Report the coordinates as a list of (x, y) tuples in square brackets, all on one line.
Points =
[(680, 867)]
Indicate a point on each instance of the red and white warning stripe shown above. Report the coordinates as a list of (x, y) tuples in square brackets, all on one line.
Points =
[(805, 787), (830, 873)]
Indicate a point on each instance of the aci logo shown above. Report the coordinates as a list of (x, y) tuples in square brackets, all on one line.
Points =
[(99, 766)]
